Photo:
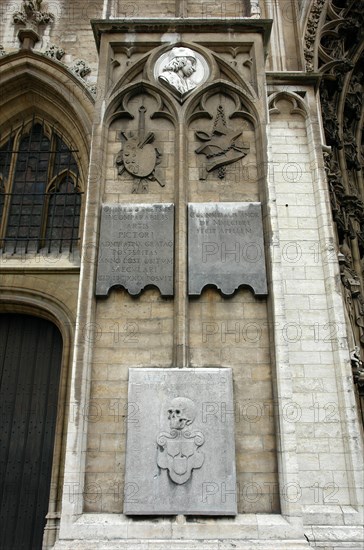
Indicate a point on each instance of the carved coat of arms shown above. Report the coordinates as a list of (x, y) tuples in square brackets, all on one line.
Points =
[(178, 450)]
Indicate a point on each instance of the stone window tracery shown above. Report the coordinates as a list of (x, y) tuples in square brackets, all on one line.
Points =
[(40, 193)]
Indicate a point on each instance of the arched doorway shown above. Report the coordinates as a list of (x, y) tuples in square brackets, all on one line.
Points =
[(30, 365)]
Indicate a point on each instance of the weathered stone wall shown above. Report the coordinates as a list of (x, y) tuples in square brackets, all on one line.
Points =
[(71, 30), (313, 332), (222, 331)]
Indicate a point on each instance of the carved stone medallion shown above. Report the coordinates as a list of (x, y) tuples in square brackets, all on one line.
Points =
[(181, 69)]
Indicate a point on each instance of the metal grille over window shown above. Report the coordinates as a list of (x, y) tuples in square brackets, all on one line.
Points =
[(40, 198)]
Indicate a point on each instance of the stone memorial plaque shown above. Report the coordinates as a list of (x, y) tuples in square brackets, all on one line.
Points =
[(180, 452), (136, 248), (226, 247)]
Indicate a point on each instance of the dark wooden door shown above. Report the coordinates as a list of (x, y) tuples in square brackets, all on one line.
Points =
[(30, 363)]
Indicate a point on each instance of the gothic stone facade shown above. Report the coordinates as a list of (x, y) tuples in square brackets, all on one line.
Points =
[(166, 105)]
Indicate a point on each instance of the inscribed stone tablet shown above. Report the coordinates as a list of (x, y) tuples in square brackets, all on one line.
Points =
[(136, 248), (226, 247), (180, 453)]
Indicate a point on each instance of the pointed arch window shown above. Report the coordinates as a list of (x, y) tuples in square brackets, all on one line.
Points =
[(40, 195)]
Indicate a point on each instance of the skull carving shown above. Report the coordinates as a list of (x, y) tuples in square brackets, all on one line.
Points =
[(181, 413)]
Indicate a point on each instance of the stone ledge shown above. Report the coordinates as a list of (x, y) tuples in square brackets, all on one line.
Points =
[(244, 527), (181, 25), (31, 262), (224, 544)]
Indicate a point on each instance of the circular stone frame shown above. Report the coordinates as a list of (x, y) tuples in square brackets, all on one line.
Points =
[(199, 77)]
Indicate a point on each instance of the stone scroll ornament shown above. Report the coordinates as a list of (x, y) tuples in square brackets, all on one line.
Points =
[(178, 450), (139, 157), (221, 147)]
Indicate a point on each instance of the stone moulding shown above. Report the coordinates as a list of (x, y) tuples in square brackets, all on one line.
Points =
[(175, 25)]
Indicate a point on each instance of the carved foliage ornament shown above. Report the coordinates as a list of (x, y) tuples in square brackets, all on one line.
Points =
[(31, 17), (357, 367), (354, 303), (54, 52), (178, 449), (80, 68), (310, 36), (341, 61)]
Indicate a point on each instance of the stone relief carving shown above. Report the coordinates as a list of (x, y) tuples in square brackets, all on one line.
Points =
[(339, 52), (357, 368), (31, 14), (351, 150), (354, 97), (139, 157), (181, 69), (336, 185), (221, 147), (331, 123), (352, 291), (92, 89), (178, 449), (79, 68), (31, 17), (2, 51)]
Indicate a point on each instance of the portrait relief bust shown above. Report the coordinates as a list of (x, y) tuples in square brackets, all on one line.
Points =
[(182, 69)]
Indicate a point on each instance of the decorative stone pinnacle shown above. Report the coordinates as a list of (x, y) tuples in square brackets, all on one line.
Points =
[(31, 17)]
